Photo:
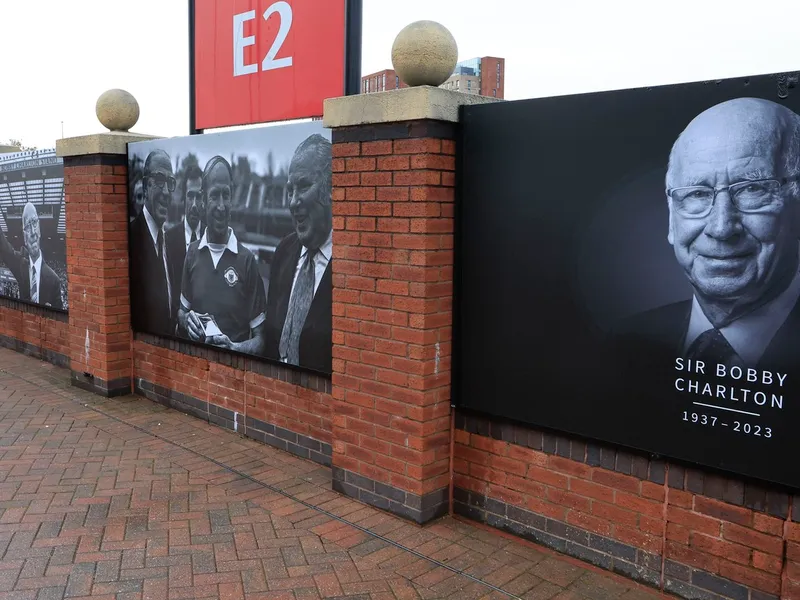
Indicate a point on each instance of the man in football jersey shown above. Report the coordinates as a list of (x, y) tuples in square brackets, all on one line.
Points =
[(222, 301)]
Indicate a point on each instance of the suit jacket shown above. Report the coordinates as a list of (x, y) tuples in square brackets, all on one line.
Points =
[(663, 331), (20, 266), (176, 255), (150, 305), (316, 338)]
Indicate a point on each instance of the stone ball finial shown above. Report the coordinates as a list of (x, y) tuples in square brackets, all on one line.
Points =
[(117, 110), (424, 53)]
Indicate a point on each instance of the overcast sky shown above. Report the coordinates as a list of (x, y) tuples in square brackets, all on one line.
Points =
[(58, 56)]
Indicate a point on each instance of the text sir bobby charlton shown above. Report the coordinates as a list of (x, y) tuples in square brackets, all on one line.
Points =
[(734, 224), (736, 384)]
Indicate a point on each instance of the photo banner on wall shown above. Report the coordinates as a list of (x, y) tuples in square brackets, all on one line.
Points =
[(630, 269), (231, 241), (33, 265)]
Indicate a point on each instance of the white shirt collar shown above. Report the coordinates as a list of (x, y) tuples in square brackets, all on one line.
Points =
[(187, 231), (151, 225), (232, 245), (325, 249), (38, 263), (750, 335)]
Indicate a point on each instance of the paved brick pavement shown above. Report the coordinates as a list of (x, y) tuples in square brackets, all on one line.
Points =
[(126, 499)]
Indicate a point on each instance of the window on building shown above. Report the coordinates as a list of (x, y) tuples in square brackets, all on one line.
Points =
[(494, 93), (397, 81), (383, 84)]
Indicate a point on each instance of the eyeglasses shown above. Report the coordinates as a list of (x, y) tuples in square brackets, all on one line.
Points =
[(754, 196), (30, 226), (160, 180)]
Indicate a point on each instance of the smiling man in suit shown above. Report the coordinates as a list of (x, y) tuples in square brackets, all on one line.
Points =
[(734, 224), (298, 325), (150, 284), (37, 282)]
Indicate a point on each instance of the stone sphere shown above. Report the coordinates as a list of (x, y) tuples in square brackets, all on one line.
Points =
[(424, 53), (117, 110)]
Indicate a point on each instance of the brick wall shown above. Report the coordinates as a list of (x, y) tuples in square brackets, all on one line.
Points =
[(392, 314), (713, 536), (35, 331), (276, 405), (97, 272)]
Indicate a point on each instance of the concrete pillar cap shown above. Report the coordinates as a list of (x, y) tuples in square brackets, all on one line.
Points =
[(424, 53)]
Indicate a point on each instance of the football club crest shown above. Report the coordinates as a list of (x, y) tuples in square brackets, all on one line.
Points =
[(231, 276)]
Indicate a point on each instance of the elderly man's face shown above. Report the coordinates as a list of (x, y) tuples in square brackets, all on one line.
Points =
[(158, 188), (31, 235), (311, 210), (218, 202), (733, 253), (193, 206)]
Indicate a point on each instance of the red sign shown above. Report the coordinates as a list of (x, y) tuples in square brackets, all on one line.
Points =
[(258, 61)]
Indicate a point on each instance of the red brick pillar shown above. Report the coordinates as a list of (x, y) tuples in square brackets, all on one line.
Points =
[(95, 180), (393, 200)]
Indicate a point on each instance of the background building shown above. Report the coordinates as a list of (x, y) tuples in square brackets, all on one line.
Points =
[(484, 76), (381, 81)]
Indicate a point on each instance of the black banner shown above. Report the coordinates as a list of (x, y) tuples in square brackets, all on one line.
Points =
[(629, 269), (231, 241), (33, 265)]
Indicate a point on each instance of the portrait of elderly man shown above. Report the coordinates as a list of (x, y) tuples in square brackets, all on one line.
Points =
[(298, 325), (734, 222), (222, 294), (36, 280), (150, 284)]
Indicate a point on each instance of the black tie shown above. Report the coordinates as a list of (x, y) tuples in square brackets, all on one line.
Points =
[(194, 237), (160, 244), (712, 347)]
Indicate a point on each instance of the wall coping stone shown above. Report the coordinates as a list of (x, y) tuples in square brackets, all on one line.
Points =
[(405, 104), (110, 142)]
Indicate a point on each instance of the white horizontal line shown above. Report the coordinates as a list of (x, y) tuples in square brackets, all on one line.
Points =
[(744, 412)]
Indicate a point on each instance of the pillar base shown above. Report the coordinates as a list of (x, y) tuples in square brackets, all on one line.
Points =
[(419, 509), (108, 389)]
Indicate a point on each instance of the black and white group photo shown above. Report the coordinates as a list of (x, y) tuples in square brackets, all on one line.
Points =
[(33, 228), (231, 241)]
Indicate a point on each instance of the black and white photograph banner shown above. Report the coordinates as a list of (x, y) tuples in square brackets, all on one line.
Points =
[(231, 241), (630, 269), (33, 247)]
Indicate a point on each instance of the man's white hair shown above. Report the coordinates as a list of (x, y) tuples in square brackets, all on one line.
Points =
[(789, 149), (29, 212)]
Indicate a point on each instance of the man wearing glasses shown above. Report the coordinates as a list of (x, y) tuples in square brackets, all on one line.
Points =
[(734, 222), (151, 290), (189, 230), (37, 282)]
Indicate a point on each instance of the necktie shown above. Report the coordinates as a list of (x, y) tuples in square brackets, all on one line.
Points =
[(712, 347), (194, 237), (299, 303), (160, 244), (162, 260), (34, 286)]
